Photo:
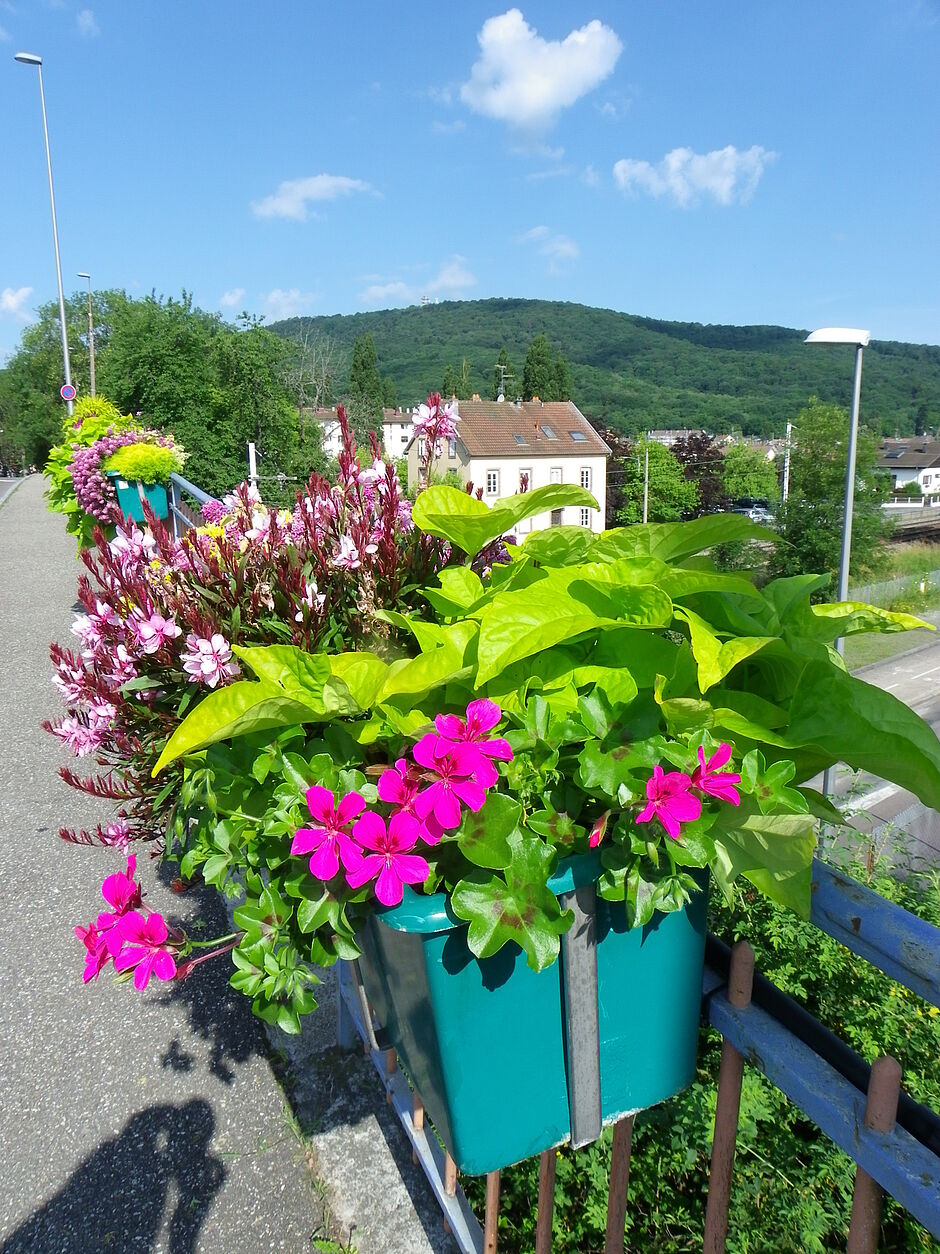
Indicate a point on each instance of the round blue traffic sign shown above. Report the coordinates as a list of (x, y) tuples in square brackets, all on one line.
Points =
[(67, 392)]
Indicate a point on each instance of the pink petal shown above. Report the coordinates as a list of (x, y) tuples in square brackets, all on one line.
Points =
[(388, 887), (498, 747), (367, 870), (369, 830), (391, 787), (446, 806), (684, 806), (349, 851), (470, 793), (450, 726), (320, 802), (411, 867), (403, 832), (428, 750), (669, 822), (307, 838), (351, 805), (646, 815), (164, 965), (142, 974), (129, 957), (324, 864), (718, 758), (483, 714)]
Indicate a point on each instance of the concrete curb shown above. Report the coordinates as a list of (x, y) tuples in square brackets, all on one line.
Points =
[(16, 486)]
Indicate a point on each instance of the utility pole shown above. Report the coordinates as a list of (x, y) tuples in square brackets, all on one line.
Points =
[(83, 274), (646, 483), (786, 463)]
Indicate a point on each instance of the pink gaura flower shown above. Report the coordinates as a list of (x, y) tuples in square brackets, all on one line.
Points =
[(714, 783), (670, 800), (153, 631), (97, 952), (144, 946), (330, 841), (458, 768), (391, 860), (208, 660), (79, 737)]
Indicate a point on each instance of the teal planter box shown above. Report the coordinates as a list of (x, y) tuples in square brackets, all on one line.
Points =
[(129, 498), (483, 1041)]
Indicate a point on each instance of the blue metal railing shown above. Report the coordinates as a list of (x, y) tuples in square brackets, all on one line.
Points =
[(180, 521)]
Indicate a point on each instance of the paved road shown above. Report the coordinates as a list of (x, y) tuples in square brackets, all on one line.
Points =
[(7, 485), (156, 1126), (892, 816)]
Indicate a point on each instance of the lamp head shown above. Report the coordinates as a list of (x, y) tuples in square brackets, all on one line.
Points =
[(82, 274), (839, 335), (27, 58)]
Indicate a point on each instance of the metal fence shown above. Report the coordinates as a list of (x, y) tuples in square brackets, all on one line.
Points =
[(894, 1141), (182, 514)]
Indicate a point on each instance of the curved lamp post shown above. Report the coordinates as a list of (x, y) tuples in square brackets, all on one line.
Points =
[(860, 339), (30, 58), (83, 274)]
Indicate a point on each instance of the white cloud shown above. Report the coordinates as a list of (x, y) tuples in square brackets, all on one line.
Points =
[(451, 282), (526, 80), (724, 175), (234, 296), (560, 250), (12, 301), (292, 196), (557, 171), (590, 177), (279, 303), (87, 26), (448, 128), (5, 36)]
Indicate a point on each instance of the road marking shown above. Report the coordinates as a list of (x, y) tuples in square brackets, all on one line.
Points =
[(930, 672)]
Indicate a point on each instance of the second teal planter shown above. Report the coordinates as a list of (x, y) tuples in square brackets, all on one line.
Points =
[(129, 498), (483, 1041)]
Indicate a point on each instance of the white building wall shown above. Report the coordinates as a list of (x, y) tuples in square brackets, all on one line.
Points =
[(396, 433), (543, 471)]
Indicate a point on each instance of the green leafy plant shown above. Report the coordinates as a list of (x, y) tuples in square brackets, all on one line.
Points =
[(624, 673), (146, 463)]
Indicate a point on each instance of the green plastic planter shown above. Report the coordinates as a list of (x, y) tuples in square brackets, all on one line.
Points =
[(483, 1041), (129, 498)]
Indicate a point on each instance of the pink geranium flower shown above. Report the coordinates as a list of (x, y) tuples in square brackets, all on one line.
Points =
[(329, 840), (398, 787), (123, 894), (97, 952), (714, 783), (457, 768), (482, 716), (391, 862), (670, 800), (144, 947)]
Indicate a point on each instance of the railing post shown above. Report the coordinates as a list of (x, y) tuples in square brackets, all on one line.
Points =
[(543, 1228), (619, 1183), (881, 1111), (740, 984)]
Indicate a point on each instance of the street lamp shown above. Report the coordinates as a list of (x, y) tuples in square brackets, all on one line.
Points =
[(82, 274), (860, 339), (30, 58)]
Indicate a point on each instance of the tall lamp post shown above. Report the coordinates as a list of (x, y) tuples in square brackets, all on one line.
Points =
[(860, 339), (30, 58), (83, 274)]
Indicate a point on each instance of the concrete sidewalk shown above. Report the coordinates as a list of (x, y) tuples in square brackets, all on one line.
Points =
[(150, 1122)]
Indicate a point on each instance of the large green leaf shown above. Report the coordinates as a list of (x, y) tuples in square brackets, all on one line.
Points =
[(483, 837), (847, 618), (448, 512), (240, 708), (717, 658), (306, 677), (413, 676), (558, 546), (362, 673), (460, 588), (774, 852), (674, 541), (865, 727), (516, 908)]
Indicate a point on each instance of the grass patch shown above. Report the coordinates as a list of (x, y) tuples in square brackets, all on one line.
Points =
[(864, 650)]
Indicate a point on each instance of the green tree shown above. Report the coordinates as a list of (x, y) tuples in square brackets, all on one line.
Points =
[(561, 386), (810, 521), (538, 373), (365, 391), (671, 494), (450, 382), (502, 377), (389, 393), (464, 386), (746, 471)]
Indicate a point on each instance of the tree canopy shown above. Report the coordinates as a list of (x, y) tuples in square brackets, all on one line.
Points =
[(671, 495)]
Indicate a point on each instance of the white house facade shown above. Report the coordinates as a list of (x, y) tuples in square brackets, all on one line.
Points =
[(397, 428), (507, 447), (914, 460)]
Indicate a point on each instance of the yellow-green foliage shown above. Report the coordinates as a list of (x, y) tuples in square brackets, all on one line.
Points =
[(90, 419), (147, 463)]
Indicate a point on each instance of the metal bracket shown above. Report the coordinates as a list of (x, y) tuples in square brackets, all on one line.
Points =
[(582, 1044)]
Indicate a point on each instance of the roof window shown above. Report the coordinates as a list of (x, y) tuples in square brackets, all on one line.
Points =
[(520, 439), (577, 435), (548, 432)]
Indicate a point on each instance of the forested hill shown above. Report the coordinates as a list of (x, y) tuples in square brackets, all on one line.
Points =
[(635, 373)]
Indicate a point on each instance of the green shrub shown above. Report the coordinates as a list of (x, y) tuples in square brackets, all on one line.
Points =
[(91, 418), (792, 1187), (146, 463)]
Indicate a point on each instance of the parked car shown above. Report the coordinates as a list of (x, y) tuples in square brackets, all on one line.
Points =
[(758, 511)]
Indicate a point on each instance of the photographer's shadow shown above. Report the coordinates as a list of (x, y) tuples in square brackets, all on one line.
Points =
[(116, 1199)]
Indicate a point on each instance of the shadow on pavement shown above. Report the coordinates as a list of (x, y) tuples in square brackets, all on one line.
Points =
[(116, 1199)]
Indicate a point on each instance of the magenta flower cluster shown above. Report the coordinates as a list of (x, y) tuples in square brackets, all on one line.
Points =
[(451, 769), (674, 798), (129, 935)]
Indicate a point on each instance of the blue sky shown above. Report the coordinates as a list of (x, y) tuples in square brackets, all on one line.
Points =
[(726, 162)]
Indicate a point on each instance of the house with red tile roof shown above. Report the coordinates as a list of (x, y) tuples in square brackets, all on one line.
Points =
[(508, 447)]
